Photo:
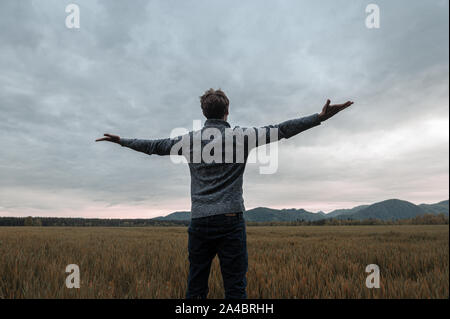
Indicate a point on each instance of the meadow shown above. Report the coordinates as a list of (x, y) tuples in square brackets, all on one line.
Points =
[(284, 262)]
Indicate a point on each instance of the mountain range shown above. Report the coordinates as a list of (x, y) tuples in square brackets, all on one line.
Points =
[(391, 209)]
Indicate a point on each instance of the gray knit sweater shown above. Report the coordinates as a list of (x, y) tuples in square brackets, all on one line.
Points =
[(216, 182)]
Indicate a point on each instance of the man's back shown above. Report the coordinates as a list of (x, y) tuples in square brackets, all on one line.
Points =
[(216, 185)]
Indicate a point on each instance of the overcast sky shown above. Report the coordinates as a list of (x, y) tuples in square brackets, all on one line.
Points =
[(137, 68)]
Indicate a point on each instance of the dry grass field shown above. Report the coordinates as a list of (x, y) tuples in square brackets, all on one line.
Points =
[(284, 262)]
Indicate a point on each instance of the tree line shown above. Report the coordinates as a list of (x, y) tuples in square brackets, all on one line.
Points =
[(427, 219), (85, 222)]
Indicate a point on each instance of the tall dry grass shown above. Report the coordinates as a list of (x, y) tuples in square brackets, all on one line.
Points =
[(284, 262)]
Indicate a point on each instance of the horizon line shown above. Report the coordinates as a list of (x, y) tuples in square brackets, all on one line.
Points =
[(181, 211)]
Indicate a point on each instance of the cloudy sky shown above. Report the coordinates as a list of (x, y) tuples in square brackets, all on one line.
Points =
[(137, 68)]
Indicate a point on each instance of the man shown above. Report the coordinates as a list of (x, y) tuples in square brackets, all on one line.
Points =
[(217, 223)]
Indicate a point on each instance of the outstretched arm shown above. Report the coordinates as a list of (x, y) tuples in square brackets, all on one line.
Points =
[(158, 147), (293, 127)]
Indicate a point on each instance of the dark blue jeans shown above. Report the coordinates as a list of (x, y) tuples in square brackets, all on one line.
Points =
[(225, 236)]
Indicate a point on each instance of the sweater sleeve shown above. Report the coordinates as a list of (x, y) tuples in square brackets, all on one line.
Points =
[(272, 133), (150, 147)]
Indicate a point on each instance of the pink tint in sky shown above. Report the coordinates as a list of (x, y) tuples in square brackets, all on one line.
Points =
[(116, 211)]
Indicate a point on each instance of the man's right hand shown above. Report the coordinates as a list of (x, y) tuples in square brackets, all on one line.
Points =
[(331, 110), (109, 138)]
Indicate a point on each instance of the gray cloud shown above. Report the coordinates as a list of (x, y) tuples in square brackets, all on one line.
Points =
[(137, 70)]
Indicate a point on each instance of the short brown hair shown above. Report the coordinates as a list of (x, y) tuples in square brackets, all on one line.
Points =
[(214, 104)]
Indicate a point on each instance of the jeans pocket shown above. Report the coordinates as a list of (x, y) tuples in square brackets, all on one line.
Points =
[(236, 233), (233, 220)]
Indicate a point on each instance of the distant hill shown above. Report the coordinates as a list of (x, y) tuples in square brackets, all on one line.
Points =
[(260, 214), (176, 216), (391, 209), (339, 212), (441, 207), (263, 214)]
